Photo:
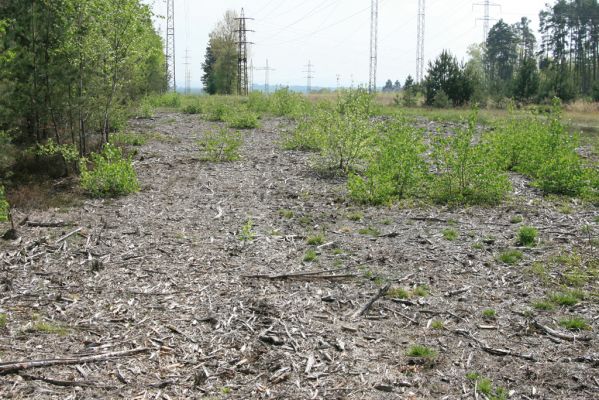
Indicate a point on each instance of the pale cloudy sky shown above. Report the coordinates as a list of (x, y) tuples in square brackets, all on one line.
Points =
[(334, 35)]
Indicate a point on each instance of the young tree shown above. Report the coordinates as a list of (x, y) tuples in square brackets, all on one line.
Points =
[(501, 57), (388, 86), (220, 63), (526, 83), (447, 76)]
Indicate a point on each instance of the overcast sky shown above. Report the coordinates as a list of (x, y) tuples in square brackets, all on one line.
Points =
[(334, 35)]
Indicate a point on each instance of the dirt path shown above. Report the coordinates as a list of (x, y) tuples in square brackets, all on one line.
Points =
[(165, 270)]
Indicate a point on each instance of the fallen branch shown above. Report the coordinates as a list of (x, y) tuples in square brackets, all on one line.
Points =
[(64, 383), (303, 275), (382, 292), (506, 352), (46, 224), (559, 335), (68, 235), (12, 367)]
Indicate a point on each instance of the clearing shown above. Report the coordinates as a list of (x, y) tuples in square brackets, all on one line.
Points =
[(247, 280)]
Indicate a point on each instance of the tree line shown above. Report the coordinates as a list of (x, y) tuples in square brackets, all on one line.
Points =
[(71, 68), (512, 63)]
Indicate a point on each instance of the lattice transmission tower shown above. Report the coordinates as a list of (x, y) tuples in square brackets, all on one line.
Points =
[(374, 32), (187, 72), (170, 45), (242, 55), (267, 70), (487, 5), (420, 41), (309, 76)]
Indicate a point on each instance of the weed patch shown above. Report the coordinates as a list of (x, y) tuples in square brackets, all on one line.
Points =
[(527, 236), (221, 146), (112, 174), (511, 257), (421, 351)]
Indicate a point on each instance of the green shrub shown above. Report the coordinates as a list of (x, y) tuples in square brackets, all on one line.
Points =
[(527, 236), (259, 102), (168, 100), (242, 120), (4, 206), (543, 150), (112, 174), (216, 111), (466, 172), (66, 153), (306, 137), (194, 108), (441, 100), (283, 102), (146, 109), (221, 146), (347, 132), (131, 139), (397, 168)]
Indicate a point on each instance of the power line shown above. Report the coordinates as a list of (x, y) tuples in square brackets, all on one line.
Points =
[(242, 55), (309, 71), (374, 31), (420, 41), (487, 16), (329, 26), (170, 45)]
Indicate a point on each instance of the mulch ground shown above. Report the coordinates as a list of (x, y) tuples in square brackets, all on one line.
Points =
[(156, 295)]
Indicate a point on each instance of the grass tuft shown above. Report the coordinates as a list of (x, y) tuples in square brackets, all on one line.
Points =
[(421, 352), (511, 257)]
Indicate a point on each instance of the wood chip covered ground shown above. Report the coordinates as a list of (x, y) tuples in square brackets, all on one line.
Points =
[(155, 295)]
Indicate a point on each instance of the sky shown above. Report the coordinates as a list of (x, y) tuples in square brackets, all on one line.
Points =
[(334, 35)]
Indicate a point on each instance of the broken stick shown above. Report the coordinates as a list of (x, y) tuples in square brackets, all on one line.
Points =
[(12, 367), (382, 292)]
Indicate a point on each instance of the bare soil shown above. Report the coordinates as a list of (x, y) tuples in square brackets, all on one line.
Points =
[(211, 316)]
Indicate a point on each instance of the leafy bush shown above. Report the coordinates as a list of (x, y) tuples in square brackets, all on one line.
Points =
[(66, 154), (306, 137), (146, 109), (259, 102), (112, 174), (527, 236), (347, 131), (397, 168), (4, 206), (441, 100), (242, 120), (216, 111), (544, 150), (221, 146), (193, 109), (283, 102), (169, 100), (466, 172)]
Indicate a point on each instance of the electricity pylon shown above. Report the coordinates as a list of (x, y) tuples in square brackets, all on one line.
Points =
[(242, 55), (309, 71), (374, 31), (487, 16), (267, 70), (170, 45), (420, 41)]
